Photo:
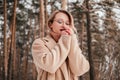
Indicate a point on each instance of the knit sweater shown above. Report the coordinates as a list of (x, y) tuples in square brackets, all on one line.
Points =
[(62, 60)]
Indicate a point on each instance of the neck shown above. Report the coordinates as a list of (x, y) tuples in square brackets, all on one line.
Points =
[(55, 36)]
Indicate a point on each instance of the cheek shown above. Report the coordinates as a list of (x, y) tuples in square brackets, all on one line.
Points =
[(55, 27)]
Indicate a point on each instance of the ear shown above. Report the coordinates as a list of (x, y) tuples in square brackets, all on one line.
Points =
[(50, 25)]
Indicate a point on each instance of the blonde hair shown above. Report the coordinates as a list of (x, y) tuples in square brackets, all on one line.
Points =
[(51, 18)]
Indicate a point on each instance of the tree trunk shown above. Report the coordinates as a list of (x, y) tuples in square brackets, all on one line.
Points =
[(34, 30), (64, 4), (19, 65), (14, 41), (82, 36), (5, 42), (34, 72), (83, 30), (42, 19), (25, 64), (92, 75), (9, 70), (46, 18), (12, 72)]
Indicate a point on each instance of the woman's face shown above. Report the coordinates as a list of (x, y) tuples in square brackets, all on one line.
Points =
[(60, 22)]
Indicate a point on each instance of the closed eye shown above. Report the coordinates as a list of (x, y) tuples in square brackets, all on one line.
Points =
[(60, 22)]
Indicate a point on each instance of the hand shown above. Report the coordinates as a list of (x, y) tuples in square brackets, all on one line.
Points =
[(67, 31), (64, 32)]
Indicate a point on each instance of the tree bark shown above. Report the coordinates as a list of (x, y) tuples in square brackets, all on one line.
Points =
[(42, 19), (14, 41), (5, 42), (12, 72), (34, 72), (83, 30), (64, 4), (46, 18), (92, 75), (25, 64)]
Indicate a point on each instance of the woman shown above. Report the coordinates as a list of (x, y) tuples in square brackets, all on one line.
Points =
[(58, 56)]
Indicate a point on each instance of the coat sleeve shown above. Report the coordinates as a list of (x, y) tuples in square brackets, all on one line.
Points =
[(77, 62), (51, 60)]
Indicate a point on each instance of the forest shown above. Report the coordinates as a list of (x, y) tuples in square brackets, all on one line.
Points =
[(98, 27)]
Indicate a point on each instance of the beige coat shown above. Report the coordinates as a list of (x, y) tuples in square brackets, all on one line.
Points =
[(59, 61)]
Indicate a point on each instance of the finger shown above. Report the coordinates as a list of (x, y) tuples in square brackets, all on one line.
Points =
[(64, 33), (68, 31)]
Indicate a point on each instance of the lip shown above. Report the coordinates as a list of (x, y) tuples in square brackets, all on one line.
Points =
[(62, 29)]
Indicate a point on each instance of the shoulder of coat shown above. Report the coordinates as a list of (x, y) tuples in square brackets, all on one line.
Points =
[(38, 40), (45, 39)]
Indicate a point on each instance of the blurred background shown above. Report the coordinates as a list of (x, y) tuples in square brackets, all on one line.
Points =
[(97, 23)]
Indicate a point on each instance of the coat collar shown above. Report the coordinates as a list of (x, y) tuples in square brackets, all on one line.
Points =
[(49, 41)]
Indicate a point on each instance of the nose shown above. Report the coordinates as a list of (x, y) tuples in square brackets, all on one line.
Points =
[(64, 24)]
